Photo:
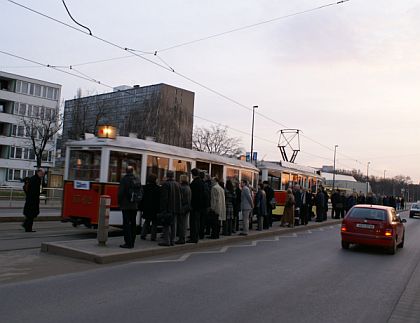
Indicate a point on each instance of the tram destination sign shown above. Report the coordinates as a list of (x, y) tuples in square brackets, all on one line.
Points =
[(82, 185)]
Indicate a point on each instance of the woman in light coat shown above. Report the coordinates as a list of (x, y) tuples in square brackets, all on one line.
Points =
[(289, 210), (218, 208)]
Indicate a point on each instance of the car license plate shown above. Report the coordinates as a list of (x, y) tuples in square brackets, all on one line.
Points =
[(365, 226)]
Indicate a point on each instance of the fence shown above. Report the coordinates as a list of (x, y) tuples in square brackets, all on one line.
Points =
[(15, 196)]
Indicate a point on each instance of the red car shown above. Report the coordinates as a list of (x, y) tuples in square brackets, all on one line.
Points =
[(374, 225)]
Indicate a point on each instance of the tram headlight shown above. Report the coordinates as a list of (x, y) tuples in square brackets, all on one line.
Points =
[(107, 132)]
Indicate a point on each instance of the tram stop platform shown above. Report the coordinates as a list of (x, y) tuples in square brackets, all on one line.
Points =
[(88, 249)]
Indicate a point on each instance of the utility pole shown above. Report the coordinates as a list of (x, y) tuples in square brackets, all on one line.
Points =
[(367, 178), (252, 134), (335, 151)]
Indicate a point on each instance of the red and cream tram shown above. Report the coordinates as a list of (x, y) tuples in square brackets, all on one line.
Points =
[(283, 175), (94, 167)]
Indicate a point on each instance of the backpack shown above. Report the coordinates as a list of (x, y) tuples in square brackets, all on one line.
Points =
[(136, 191), (26, 185)]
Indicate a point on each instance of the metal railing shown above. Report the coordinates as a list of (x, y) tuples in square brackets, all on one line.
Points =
[(15, 196)]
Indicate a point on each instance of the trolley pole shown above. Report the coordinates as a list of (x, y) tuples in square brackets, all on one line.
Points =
[(103, 220)]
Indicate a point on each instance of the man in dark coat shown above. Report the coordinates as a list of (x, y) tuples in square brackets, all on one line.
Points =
[(170, 207), (128, 207), (269, 193), (198, 201), (150, 207), (31, 208), (320, 205)]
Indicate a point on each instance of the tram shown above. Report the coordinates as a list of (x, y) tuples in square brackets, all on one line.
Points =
[(282, 175), (94, 167)]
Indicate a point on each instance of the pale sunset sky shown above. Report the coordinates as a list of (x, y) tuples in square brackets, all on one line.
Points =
[(344, 74)]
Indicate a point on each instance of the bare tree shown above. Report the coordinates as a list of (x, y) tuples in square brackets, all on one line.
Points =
[(82, 119), (40, 129), (215, 140)]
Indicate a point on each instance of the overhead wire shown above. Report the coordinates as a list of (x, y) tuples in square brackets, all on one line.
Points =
[(166, 66), (250, 26)]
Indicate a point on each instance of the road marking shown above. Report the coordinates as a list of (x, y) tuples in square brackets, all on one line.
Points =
[(185, 256)]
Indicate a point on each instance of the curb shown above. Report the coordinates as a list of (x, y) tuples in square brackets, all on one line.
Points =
[(60, 248), (37, 219)]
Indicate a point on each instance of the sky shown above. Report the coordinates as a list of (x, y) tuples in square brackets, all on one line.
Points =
[(345, 74)]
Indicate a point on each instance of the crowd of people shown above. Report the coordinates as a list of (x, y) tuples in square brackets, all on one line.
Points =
[(210, 208)]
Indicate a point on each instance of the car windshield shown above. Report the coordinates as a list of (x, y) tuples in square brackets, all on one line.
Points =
[(415, 206), (368, 214)]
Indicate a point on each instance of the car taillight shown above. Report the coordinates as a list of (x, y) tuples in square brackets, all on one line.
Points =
[(388, 232), (343, 228)]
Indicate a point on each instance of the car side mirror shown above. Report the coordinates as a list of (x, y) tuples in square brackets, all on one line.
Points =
[(403, 221)]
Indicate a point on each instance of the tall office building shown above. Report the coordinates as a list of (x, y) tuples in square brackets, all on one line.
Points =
[(24, 100), (162, 112)]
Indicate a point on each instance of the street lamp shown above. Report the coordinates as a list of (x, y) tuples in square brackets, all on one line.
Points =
[(252, 134), (367, 178), (335, 151)]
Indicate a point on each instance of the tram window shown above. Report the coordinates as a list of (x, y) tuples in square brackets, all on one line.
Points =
[(256, 179), (118, 162), (232, 174), (158, 166), (85, 165), (285, 179), (274, 182), (181, 167), (246, 175), (203, 166), (217, 171)]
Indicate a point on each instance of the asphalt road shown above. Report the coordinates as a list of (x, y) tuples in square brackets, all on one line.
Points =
[(305, 277)]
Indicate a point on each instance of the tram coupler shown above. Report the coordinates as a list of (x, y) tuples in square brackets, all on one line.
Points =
[(103, 219)]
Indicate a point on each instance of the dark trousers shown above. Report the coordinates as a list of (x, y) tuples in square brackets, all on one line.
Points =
[(195, 228), (227, 227), (169, 231), (319, 214), (214, 225), (203, 223), (149, 226), (28, 223), (339, 213), (181, 229), (304, 215), (129, 226)]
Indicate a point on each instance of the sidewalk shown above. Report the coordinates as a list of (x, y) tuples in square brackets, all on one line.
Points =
[(89, 249)]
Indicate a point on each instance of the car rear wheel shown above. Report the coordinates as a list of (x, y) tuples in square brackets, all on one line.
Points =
[(401, 245), (393, 249), (345, 245)]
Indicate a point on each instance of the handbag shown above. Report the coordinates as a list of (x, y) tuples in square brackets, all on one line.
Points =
[(240, 216)]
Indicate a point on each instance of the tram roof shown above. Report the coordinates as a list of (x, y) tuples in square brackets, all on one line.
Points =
[(130, 143), (289, 167)]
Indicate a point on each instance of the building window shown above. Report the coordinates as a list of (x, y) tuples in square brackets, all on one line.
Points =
[(18, 86), (49, 93), (25, 86), (37, 90)]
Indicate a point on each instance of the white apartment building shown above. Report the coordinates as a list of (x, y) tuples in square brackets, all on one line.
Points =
[(21, 97)]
